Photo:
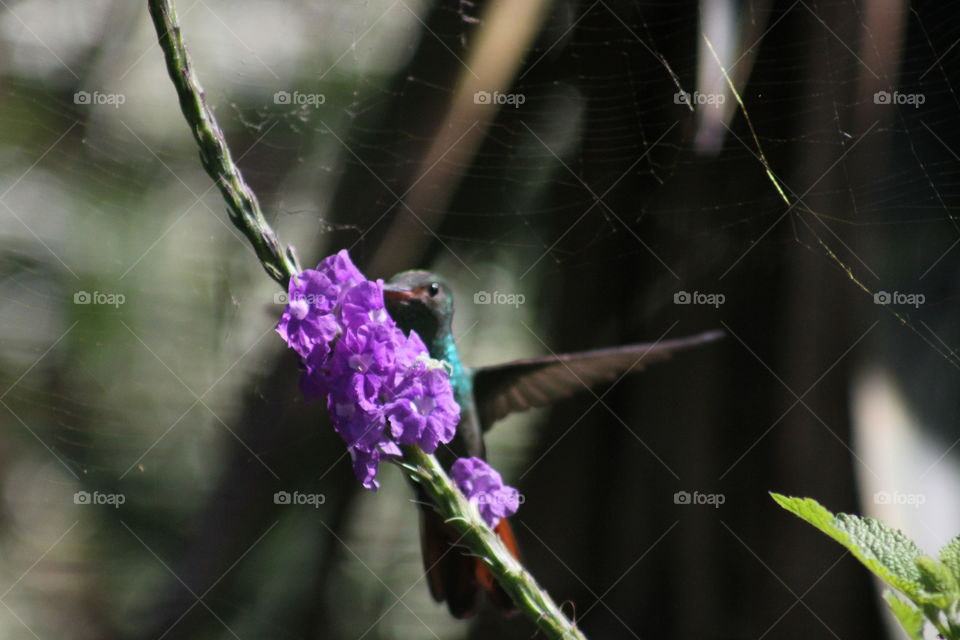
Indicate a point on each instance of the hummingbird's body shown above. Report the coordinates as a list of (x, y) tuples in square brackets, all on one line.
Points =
[(411, 305), (421, 301)]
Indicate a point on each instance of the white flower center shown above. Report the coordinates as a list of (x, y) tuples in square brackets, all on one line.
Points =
[(360, 363), (424, 405), (299, 308)]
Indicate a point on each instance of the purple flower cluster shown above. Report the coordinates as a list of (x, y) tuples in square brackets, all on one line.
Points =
[(383, 390), (484, 487)]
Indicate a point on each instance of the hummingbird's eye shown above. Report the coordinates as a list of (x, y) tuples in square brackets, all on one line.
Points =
[(433, 289)]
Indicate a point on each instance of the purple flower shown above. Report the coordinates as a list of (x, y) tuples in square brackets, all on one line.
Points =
[(307, 320), (366, 462), (424, 412), (356, 416), (339, 268), (363, 305), (381, 387), (313, 298), (315, 382), (484, 487), (370, 349)]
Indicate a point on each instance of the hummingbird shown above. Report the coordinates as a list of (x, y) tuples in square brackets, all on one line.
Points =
[(422, 301)]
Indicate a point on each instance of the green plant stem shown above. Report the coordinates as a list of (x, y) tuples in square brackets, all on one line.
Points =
[(933, 617), (463, 517), (242, 205), (280, 264)]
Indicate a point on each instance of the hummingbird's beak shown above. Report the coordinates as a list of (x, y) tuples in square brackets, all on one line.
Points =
[(396, 293)]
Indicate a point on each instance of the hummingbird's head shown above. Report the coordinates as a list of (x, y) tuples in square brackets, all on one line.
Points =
[(420, 301)]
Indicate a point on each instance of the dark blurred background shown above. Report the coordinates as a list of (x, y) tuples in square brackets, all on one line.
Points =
[(589, 158)]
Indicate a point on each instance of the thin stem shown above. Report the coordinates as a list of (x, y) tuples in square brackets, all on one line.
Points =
[(463, 517), (242, 205), (932, 614)]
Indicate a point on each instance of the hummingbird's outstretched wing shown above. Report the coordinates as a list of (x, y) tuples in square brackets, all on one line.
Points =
[(523, 384)]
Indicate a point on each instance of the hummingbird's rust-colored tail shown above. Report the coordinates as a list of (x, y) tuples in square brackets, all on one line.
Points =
[(454, 574)]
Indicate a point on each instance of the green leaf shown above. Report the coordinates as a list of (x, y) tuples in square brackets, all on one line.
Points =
[(950, 556), (940, 588), (909, 617), (883, 550)]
